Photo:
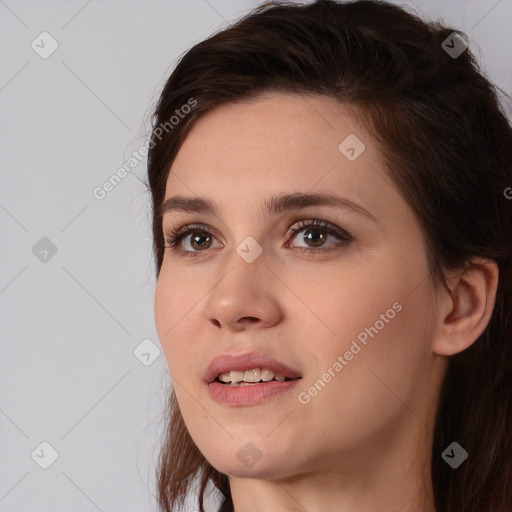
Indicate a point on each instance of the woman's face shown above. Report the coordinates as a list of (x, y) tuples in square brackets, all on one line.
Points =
[(353, 319)]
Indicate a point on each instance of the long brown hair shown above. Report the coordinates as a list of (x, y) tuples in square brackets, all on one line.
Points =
[(448, 149)]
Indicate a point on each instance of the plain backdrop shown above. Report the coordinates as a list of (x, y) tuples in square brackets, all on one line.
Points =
[(82, 378)]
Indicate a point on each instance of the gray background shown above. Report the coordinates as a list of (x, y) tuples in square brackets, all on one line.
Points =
[(70, 322)]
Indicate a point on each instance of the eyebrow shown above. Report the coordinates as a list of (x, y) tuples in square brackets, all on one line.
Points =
[(274, 205)]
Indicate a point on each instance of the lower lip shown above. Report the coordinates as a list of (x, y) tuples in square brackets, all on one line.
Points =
[(249, 395)]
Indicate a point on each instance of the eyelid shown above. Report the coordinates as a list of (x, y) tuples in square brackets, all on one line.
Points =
[(194, 226), (318, 223)]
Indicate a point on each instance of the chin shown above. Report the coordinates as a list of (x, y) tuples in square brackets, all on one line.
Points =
[(249, 461), (234, 468)]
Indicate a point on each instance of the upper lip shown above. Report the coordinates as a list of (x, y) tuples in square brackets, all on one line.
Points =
[(224, 363)]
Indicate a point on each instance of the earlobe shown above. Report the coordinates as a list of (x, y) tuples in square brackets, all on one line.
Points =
[(464, 314)]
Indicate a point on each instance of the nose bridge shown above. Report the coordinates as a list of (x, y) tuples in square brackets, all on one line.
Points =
[(242, 277), (246, 257)]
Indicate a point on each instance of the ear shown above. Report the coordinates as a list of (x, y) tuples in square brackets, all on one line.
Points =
[(464, 313)]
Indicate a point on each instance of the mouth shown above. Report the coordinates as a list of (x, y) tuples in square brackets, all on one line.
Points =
[(248, 369), (236, 380), (251, 377)]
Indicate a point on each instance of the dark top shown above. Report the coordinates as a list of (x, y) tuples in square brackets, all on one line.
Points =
[(226, 506)]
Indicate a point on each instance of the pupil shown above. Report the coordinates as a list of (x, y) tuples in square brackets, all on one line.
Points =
[(198, 237), (315, 239)]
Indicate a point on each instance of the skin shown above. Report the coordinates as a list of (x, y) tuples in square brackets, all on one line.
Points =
[(363, 442)]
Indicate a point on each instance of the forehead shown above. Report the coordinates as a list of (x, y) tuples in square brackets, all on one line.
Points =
[(273, 141)]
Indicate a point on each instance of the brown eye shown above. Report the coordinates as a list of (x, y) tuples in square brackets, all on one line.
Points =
[(202, 240), (311, 235), (316, 234)]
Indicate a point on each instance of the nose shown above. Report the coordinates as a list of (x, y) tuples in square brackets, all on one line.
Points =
[(245, 297)]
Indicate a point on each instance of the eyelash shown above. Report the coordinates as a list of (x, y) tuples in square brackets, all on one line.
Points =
[(174, 237)]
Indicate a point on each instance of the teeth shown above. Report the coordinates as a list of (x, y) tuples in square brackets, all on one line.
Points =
[(267, 375), (236, 376), (254, 375)]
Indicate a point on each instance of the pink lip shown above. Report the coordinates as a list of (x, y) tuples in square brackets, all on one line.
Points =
[(248, 395), (241, 362)]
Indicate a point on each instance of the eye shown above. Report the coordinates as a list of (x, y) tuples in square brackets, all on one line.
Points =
[(311, 228), (201, 238)]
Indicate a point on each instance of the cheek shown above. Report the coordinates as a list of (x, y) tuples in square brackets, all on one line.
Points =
[(355, 399), (173, 309), (378, 322)]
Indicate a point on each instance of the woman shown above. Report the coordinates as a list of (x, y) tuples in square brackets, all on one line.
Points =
[(333, 243)]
